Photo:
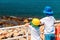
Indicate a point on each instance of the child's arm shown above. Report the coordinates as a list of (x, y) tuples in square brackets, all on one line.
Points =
[(27, 24)]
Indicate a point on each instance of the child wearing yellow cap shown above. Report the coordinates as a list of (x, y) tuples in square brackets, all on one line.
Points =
[(35, 29)]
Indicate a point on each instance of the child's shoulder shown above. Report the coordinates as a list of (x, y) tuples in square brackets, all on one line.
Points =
[(47, 17), (44, 18)]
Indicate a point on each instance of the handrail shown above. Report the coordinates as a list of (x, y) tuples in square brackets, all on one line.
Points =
[(22, 26), (12, 27)]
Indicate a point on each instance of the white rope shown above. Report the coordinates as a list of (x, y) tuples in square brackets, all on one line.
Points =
[(11, 27), (58, 21)]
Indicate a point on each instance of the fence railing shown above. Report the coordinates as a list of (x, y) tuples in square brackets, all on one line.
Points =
[(13, 29), (19, 34)]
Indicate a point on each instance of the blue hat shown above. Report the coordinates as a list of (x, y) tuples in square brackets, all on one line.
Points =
[(48, 10)]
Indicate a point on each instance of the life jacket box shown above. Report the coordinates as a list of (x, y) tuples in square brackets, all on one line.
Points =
[(57, 32)]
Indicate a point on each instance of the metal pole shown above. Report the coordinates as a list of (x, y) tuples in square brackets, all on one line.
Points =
[(27, 34)]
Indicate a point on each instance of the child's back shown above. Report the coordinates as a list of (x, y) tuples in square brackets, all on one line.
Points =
[(35, 33), (48, 24)]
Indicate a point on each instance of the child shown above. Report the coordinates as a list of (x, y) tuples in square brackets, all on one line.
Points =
[(34, 26), (48, 21)]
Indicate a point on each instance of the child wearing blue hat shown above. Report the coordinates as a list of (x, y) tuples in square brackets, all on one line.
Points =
[(48, 21)]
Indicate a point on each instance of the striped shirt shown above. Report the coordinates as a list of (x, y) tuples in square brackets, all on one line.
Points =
[(35, 33), (48, 24)]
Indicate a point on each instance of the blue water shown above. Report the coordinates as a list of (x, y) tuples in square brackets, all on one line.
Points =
[(28, 8)]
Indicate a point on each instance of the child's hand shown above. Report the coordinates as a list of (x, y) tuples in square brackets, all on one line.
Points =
[(27, 24)]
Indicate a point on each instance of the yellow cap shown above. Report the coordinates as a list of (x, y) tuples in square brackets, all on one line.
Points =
[(36, 21)]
